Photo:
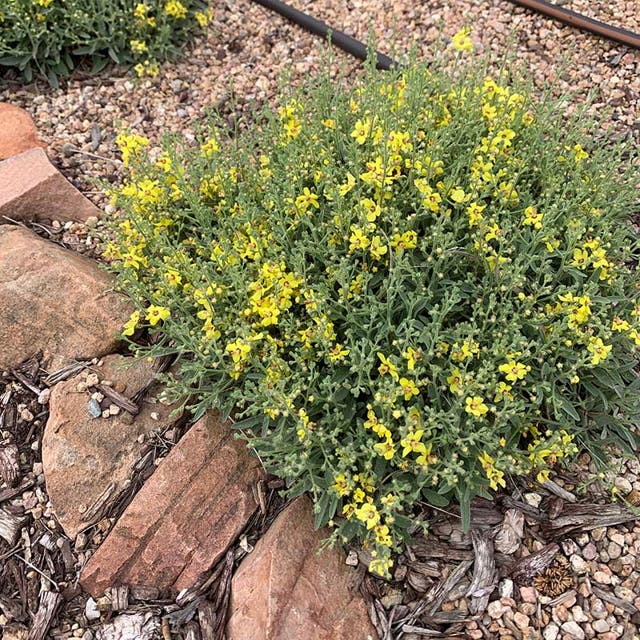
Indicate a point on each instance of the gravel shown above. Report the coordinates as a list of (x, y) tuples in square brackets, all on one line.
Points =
[(248, 48)]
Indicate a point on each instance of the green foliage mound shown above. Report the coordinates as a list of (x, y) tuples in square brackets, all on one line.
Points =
[(51, 37), (404, 292)]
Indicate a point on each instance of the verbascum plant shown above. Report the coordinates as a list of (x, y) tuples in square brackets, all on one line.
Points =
[(408, 291), (51, 37)]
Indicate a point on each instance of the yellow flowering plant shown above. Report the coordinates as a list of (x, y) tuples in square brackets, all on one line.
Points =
[(381, 283), (51, 37)]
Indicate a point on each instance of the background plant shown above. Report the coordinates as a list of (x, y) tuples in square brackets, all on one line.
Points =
[(51, 37), (405, 291)]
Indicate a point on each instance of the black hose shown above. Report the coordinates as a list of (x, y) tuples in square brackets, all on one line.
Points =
[(580, 21), (341, 40)]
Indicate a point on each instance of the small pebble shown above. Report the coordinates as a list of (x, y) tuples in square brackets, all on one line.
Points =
[(573, 629)]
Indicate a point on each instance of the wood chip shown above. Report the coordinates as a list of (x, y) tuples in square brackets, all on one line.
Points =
[(555, 488), (138, 626), (10, 464), (530, 566), (584, 517), (117, 398), (95, 511), (10, 526), (607, 596), (485, 577), (119, 597), (509, 536), (47, 609), (12, 492), (207, 620), (438, 593), (192, 631), (65, 372)]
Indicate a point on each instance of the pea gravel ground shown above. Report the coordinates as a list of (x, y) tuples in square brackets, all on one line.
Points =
[(248, 47)]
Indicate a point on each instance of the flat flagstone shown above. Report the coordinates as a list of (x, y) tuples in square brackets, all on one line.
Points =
[(184, 517), (86, 459), (55, 301), (283, 589), (17, 131), (31, 188)]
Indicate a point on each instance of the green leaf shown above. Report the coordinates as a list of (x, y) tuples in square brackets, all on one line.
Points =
[(434, 498)]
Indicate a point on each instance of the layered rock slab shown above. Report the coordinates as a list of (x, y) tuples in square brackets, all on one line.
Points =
[(89, 460), (31, 188), (184, 517), (17, 131), (285, 590), (55, 301)]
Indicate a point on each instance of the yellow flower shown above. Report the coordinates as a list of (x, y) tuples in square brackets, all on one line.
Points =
[(239, 350), (598, 349), (381, 532), (131, 324), (175, 9), (345, 187), (140, 11), (579, 153), (338, 352), (138, 46), (502, 391), (412, 443), (619, 324), (380, 566), (409, 388), (361, 130), (514, 371), (340, 485), (43, 3), (368, 513), (580, 258), (385, 449), (209, 147), (476, 406), (458, 195), (155, 313), (357, 239), (408, 240), (306, 200), (461, 40), (412, 355), (203, 19), (378, 247), (371, 208), (474, 211), (533, 218), (387, 367), (455, 381), (495, 476)]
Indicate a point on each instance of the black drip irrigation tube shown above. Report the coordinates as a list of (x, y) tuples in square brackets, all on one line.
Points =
[(360, 50), (341, 40)]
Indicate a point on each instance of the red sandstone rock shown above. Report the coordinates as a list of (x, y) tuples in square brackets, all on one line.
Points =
[(87, 458), (54, 300), (17, 131), (31, 188), (284, 590), (184, 517)]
